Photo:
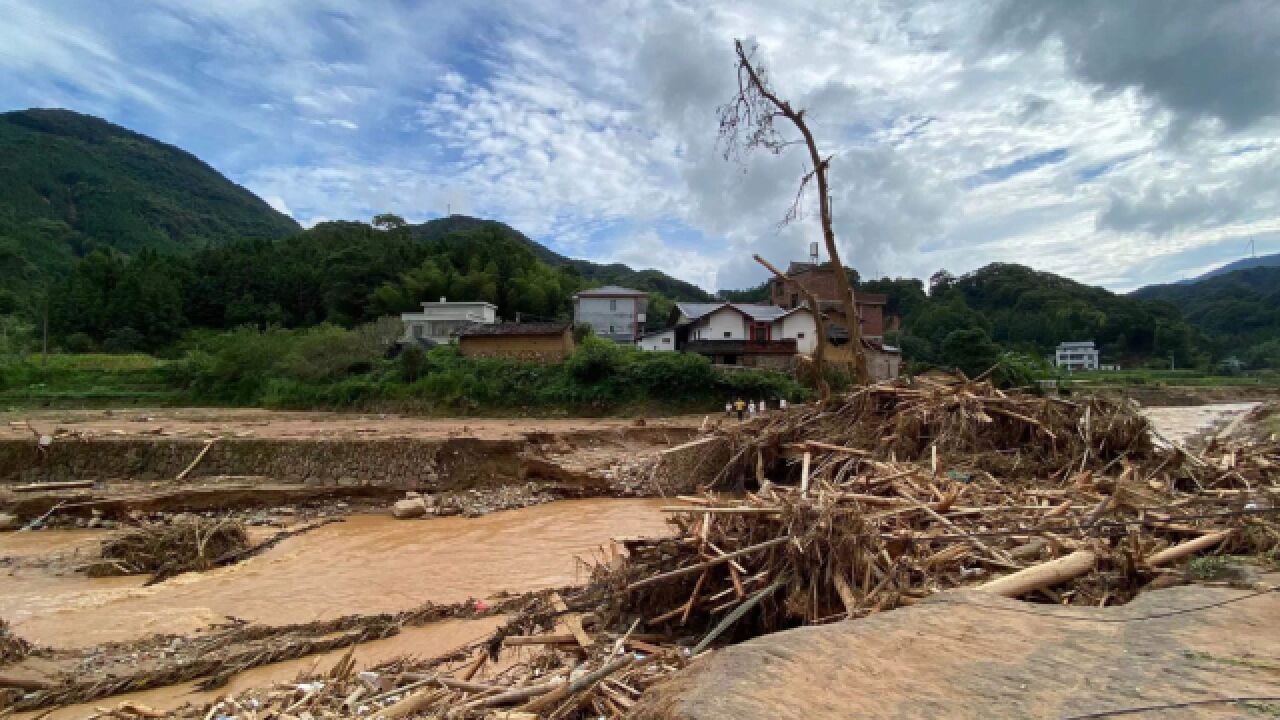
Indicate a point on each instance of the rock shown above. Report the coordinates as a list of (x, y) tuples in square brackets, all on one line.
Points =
[(409, 508), (9, 522)]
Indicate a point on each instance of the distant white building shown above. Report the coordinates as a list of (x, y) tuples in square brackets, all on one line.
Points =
[(612, 312), (1077, 356), (438, 321), (661, 341)]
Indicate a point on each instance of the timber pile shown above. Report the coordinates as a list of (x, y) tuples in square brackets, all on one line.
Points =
[(184, 544), (876, 500)]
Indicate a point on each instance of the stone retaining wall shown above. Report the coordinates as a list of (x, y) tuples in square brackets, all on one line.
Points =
[(455, 463)]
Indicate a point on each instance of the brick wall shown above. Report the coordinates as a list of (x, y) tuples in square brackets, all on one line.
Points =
[(822, 283), (538, 348)]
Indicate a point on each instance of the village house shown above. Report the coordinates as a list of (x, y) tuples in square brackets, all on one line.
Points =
[(764, 336), (537, 342), (821, 281), (438, 321), (612, 312), (1072, 356)]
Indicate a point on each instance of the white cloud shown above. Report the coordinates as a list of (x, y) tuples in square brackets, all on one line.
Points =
[(960, 134)]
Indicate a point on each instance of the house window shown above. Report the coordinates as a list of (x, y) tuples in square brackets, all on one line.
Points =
[(613, 306), (666, 340), (728, 334), (795, 300), (760, 333), (799, 336), (611, 330)]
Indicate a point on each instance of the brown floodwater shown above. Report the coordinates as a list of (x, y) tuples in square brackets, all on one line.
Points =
[(367, 564), (426, 642)]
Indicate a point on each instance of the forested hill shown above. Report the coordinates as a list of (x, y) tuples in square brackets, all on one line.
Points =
[(967, 321), (70, 182), (593, 273), (1238, 311)]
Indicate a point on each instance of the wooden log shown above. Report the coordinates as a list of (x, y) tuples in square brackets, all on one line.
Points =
[(698, 567), (68, 485), (804, 474), (572, 620), (24, 683), (411, 705), (1043, 575), (1191, 547), (553, 639), (199, 456), (585, 682), (699, 442)]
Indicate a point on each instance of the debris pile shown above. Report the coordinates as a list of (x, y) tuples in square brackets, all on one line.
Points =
[(872, 501), (184, 544)]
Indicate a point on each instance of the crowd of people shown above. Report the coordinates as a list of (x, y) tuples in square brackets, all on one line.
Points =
[(749, 409)]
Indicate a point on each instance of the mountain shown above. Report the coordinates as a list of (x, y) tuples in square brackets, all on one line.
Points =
[(1237, 310), (593, 273), (71, 182), (1249, 262)]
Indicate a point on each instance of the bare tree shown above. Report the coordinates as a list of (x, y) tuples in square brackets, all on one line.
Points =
[(747, 122)]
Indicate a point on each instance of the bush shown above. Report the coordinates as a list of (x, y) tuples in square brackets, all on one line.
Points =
[(594, 360), (78, 343), (124, 340), (413, 362)]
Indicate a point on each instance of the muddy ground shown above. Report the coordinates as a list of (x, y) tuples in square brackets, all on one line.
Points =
[(372, 563), (971, 655)]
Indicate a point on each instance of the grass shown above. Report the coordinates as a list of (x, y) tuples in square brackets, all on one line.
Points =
[(92, 379), (1178, 378)]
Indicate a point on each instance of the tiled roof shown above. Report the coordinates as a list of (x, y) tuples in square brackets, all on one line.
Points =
[(509, 328), (762, 313), (610, 290)]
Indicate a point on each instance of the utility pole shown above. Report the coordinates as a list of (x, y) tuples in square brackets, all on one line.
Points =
[(1172, 364), (44, 353)]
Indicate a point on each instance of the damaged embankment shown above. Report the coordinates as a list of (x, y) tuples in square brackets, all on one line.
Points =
[(195, 474)]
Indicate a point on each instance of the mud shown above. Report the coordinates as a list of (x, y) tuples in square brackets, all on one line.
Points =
[(367, 564), (969, 655)]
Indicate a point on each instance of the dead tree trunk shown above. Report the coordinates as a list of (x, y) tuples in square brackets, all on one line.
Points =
[(752, 112), (820, 327)]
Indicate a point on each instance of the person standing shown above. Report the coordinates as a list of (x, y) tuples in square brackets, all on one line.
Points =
[(751, 409), (782, 404), (760, 407), (728, 409), (741, 407)]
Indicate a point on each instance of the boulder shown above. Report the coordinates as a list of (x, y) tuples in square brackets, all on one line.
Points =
[(409, 508)]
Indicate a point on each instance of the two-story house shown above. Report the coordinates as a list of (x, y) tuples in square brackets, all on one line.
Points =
[(739, 333), (438, 321), (612, 312)]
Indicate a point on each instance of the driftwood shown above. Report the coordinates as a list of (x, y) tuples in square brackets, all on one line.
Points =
[(42, 486), (1191, 547), (1044, 575)]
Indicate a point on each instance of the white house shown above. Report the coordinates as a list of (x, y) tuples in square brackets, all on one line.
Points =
[(759, 324), (661, 341), (612, 312), (438, 321), (1077, 356)]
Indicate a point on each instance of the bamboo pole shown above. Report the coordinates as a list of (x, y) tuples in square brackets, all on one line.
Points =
[(1191, 547), (706, 564), (1043, 575)]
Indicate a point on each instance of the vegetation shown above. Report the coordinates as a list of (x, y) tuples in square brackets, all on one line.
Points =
[(1238, 313), (72, 183), (331, 367)]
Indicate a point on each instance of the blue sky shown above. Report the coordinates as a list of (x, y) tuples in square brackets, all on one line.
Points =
[(1116, 143)]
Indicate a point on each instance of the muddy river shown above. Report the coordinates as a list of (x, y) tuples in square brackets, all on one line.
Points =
[(367, 564)]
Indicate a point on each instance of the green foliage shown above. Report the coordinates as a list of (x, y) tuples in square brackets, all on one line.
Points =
[(413, 362), (72, 182), (970, 350), (84, 378), (1237, 311), (594, 360), (1019, 309)]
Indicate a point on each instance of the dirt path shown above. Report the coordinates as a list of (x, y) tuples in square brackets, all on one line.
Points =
[(968, 655)]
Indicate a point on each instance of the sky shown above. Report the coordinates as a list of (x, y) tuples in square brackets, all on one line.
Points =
[(1117, 143)]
